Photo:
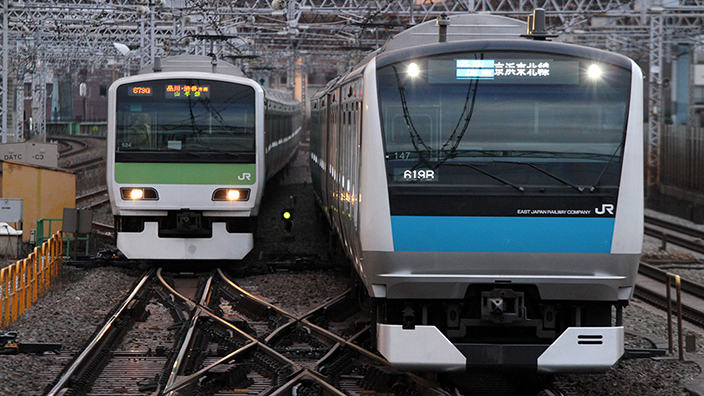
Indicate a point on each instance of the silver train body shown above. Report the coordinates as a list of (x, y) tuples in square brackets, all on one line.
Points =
[(489, 192), (195, 143)]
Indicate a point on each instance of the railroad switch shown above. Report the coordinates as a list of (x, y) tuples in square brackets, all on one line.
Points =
[(10, 346)]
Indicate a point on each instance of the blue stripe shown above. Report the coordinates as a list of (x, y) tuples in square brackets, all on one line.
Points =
[(502, 234)]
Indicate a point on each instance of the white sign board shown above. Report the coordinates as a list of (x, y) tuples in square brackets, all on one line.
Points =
[(10, 210), (42, 154), (698, 74)]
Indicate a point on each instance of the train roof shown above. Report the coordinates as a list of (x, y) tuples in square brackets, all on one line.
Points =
[(194, 63), (277, 95), (468, 32), (461, 27), (548, 47), (204, 64)]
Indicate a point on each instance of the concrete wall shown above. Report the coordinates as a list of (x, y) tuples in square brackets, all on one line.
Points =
[(45, 192)]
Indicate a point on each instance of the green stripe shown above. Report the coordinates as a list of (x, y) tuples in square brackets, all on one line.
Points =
[(183, 173)]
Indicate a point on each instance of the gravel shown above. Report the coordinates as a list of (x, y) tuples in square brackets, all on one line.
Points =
[(67, 315), (280, 289)]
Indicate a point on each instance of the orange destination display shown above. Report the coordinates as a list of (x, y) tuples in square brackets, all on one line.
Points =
[(140, 91), (177, 91)]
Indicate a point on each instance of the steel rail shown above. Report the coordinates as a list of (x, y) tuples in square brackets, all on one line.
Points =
[(253, 297), (688, 286), (337, 340), (303, 319), (70, 152), (691, 314), (187, 339), (675, 239), (669, 225), (665, 232), (85, 164), (307, 374), (99, 337), (91, 194), (205, 310)]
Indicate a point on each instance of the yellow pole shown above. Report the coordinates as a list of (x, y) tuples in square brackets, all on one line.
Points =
[(14, 300), (47, 261), (52, 255), (4, 301), (28, 284), (35, 287), (40, 270), (45, 268), (22, 286), (56, 253)]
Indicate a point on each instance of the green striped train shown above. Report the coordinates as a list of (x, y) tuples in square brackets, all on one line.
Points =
[(191, 143)]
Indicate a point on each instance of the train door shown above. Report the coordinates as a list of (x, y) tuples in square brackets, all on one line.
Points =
[(356, 169), (316, 156), (333, 165), (349, 185), (344, 164), (324, 156)]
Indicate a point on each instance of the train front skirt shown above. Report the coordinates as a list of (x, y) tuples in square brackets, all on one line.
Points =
[(577, 349), (147, 245)]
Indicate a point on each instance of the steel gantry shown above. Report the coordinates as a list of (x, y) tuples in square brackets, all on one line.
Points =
[(42, 35)]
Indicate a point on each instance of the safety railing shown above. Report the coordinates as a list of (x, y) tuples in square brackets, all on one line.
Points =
[(44, 225), (23, 282)]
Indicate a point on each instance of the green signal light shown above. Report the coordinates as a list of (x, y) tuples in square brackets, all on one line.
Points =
[(286, 215)]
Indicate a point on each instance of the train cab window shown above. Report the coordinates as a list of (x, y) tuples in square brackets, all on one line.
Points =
[(157, 120), (504, 113)]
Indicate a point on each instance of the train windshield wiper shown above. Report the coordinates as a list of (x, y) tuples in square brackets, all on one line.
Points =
[(543, 171), (606, 166), (482, 171)]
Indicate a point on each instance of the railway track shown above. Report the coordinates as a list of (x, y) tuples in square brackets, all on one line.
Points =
[(650, 287), (92, 199), (677, 234), (70, 146), (203, 334), (69, 151)]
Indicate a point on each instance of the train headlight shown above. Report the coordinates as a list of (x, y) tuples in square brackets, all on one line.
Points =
[(594, 71), (231, 194), (138, 193), (413, 70)]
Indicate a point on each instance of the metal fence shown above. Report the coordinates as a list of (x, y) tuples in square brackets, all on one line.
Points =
[(23, 282), (682, 157)]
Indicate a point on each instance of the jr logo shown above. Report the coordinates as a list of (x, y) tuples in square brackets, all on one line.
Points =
[(605, 208), (245, 176)]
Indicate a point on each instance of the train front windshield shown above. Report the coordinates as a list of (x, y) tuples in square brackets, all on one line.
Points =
[(186, 120), (504, 119)]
